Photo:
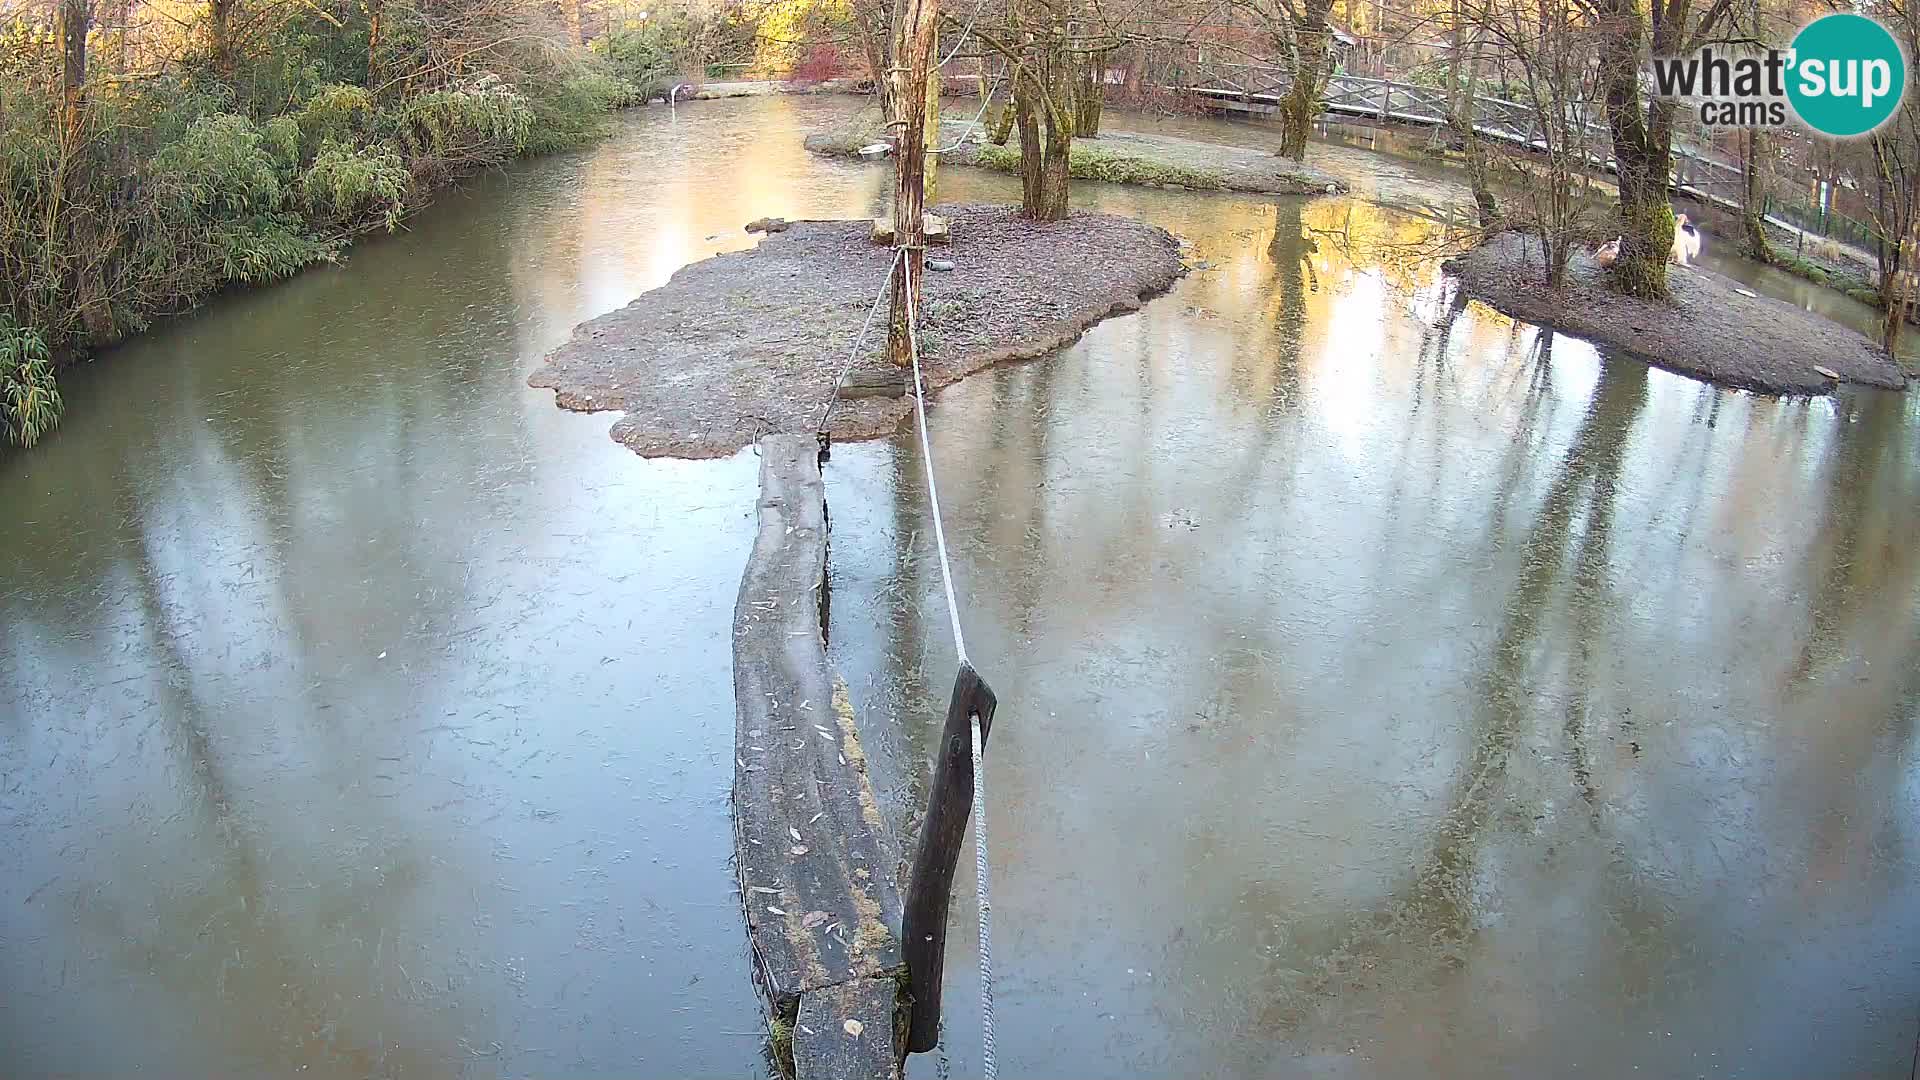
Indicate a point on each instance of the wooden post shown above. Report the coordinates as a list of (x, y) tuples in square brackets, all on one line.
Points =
[(923, 930), (912, 63)]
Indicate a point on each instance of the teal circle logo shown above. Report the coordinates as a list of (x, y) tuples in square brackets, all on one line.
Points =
[(1848, 75)]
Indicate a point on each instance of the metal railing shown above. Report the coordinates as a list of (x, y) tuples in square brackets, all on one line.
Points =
[(1698, 171)]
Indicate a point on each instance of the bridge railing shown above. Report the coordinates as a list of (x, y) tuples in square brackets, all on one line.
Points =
[(1696, 169)]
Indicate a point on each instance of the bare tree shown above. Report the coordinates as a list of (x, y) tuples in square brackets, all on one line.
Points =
[(1550, 44), (1642, 127), (1895, 164)]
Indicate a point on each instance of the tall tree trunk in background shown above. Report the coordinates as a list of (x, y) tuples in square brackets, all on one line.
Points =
[(375, 9), (1054, 185), (1028, 123), (122, 15), (1897, 217), (1460, 115), (64, 219), (1753, 196), (1302, 103), (1089, 87), (1000, 117), (575, 32), (70, 37), (913, 65), (220, 34), (1753, 179), (1643, 148), (872, 23)]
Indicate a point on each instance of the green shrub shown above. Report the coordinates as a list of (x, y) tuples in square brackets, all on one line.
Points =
[(345, 185), (29, 400), (646, 58), (459, 128), (220, 166), (572, 109), (281, 137), (263, 248), (338, 112)]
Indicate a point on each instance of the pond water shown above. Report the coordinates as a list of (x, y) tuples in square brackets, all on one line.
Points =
[(1387, 689)]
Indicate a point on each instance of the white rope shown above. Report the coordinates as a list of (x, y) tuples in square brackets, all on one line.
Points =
[(926, 459), (988, 1066), (965, 32), (974, 123), (853, 354)]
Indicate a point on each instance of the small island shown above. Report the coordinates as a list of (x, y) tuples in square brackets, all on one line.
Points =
[(1710, 329), (755, 341)]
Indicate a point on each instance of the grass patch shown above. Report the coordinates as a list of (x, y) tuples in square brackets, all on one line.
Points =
[(1854, 285), (1097, 163)]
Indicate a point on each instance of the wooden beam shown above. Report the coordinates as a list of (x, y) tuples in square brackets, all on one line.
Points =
[(930, 885)]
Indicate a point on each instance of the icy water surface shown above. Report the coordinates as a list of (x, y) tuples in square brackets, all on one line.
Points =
[(1389, 691), (362, 714)]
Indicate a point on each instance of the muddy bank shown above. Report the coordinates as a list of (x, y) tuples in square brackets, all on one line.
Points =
[(754, 341), (1119, 157), (1709, 330)]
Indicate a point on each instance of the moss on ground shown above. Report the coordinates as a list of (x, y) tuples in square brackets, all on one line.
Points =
[(780, 1044), (1086, 162)]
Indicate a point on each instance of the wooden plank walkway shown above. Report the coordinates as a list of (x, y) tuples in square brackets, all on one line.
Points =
[(817, 866)]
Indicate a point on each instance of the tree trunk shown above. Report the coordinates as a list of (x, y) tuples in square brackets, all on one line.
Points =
[(1897, 276), (913, 63), (571, 10), (70, 34), (930, 171), (220, 34), (374, 11), (1460, 118), (1302, 104), (871, 23), (1028, 123), (1088, 88), (1643, 148), (1753, 197), (1054, 191)]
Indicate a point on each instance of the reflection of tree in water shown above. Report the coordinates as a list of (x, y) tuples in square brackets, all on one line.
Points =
[(1862, 556), (1423, 933), (228, 938)]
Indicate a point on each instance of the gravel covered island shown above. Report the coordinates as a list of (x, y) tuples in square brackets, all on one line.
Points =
[(1710, 330), (754, 341)]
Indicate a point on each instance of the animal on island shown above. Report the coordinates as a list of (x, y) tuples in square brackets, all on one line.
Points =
[(1686, 241), (1606, 254)]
